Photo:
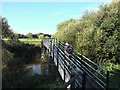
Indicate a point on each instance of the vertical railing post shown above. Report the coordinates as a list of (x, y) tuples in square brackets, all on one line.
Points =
[(55, 41), (64, 68), (107, 81), (57, 53), (53, 48), (73, 83), (50, 47), (82, 64), (83, 80)]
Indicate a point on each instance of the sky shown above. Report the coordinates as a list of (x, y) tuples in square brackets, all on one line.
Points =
[(43, 17)]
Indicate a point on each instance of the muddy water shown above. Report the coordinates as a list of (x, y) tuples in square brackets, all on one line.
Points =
[(41, 66)]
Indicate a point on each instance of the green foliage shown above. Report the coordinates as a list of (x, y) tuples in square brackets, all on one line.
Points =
[(67, 31), (15, 56), (41, 36), (6, 57), (34, 81), (29, 35), (6, 31), (31, 41), (16, 49), (96, 34)]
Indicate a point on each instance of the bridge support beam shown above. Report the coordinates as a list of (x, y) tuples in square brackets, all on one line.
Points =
[(53, 56), (50, 52), (73, 83), (57, 42), (107, 81), (57, 58), (83, 80), (64, 69)]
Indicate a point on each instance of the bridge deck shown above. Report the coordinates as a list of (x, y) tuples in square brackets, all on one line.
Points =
[(47, 43)]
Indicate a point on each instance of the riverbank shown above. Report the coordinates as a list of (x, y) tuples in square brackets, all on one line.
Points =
[(15, 56)]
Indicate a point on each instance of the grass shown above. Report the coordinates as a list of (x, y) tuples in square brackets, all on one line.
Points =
[(31, 41), (5, 39), (27, 41), (113, 78)]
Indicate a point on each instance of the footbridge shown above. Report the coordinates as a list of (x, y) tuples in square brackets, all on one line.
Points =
[(77, 71)]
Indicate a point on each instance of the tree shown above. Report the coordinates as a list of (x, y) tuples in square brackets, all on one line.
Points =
[(6, 57), (41, 36), (29, 35), (96, 35), (0, 27), (35, 36), (6, 31)]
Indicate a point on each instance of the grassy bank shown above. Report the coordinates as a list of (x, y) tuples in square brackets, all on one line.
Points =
[(31, 41), (15, 55), (27, 41)]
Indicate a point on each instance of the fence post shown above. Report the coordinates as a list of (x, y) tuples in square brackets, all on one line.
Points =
[(57, 54), (83, 80), (73, 83), (64, 68), (50, 52), (107, 81), (53, 48), (55, 41)]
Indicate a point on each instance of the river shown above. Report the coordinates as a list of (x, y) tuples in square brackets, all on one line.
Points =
[(41, 66)]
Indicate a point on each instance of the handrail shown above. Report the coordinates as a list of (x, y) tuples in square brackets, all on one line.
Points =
[(115, 72), (93, 68), (70, 81), (79, 63), (91, 62)]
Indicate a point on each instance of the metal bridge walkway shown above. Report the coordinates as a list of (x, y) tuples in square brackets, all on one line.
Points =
[(77, 71)]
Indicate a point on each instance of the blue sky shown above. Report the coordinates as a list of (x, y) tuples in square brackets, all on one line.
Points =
[(25, 17)]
